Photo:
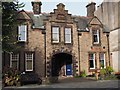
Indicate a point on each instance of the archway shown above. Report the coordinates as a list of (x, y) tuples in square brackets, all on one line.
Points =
[(59, 61)]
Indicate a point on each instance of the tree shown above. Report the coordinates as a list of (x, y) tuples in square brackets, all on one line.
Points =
[(9, 23)]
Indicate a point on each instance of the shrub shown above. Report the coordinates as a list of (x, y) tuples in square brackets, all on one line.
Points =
[(106, 73), (10, 76), (109, 70), (83, 74), (102, 71)]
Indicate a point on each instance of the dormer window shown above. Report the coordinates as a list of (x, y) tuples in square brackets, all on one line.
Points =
[(22, 33), (95, 36)]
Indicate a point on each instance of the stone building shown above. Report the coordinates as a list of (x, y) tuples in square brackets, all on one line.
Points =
[(58, 43), (109, 14)]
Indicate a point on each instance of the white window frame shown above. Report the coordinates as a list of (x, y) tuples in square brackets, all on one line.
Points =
[(57, 28), (97, 34), (68, 34), (11, 59), (28, 60), (104, 60), (92, 59), (19, 33)]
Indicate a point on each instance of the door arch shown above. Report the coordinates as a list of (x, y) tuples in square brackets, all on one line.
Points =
[(60, 60)]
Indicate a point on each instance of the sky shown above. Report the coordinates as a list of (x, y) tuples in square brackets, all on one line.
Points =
[(74, 7)]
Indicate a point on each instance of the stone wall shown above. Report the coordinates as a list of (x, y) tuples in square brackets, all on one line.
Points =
[(109, 13), (86, 47), (35, 43)]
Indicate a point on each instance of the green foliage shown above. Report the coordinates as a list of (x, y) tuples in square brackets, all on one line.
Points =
[(10, 76), (110, 77), (9, 25), (83, 74), (109, 70), (105, 73), (102, 71)]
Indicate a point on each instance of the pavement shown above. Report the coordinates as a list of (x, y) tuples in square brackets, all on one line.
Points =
[(72, 83)]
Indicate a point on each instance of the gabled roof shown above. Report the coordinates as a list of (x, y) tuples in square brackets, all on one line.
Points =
[(37, 20), (82, 22), (95, 20), (23, 15)]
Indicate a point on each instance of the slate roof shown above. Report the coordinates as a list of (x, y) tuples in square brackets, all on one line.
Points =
[(38, 20), (81, 21)]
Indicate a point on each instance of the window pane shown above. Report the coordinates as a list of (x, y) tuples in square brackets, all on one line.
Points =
[(91, 64), (22, 33), (95, 38), (91, 57), (67, 35), (55, 29), (67, 38), (67, 30), (91, 61), (14, 64), (55, 37), (29, 61), (102, 60), (55, 34), (101, 56), (29, 65), (102, 63), (14, 60)]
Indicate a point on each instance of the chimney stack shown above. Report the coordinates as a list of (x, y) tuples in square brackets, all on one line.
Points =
[(91, 9), (36, 6)]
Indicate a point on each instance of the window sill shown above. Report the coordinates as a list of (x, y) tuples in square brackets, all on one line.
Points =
[(55, 43), (96, 44)]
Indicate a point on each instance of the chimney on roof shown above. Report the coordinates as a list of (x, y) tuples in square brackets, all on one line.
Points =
[(36, 6), (91, 9)]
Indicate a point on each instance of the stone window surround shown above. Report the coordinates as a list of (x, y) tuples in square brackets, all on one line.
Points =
[(94, 60), (99, 39), (52, 34), (64, 34), (71, 35)]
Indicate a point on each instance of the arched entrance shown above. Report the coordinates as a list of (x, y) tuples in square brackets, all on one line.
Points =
[(61, 64)]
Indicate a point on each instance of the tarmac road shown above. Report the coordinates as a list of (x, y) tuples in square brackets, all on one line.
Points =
[(86, 84)]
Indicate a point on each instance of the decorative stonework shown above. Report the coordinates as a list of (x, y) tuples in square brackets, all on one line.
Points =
[(57, 51)]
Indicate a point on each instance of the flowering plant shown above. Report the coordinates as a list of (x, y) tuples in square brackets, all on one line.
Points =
[(10, 76)]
